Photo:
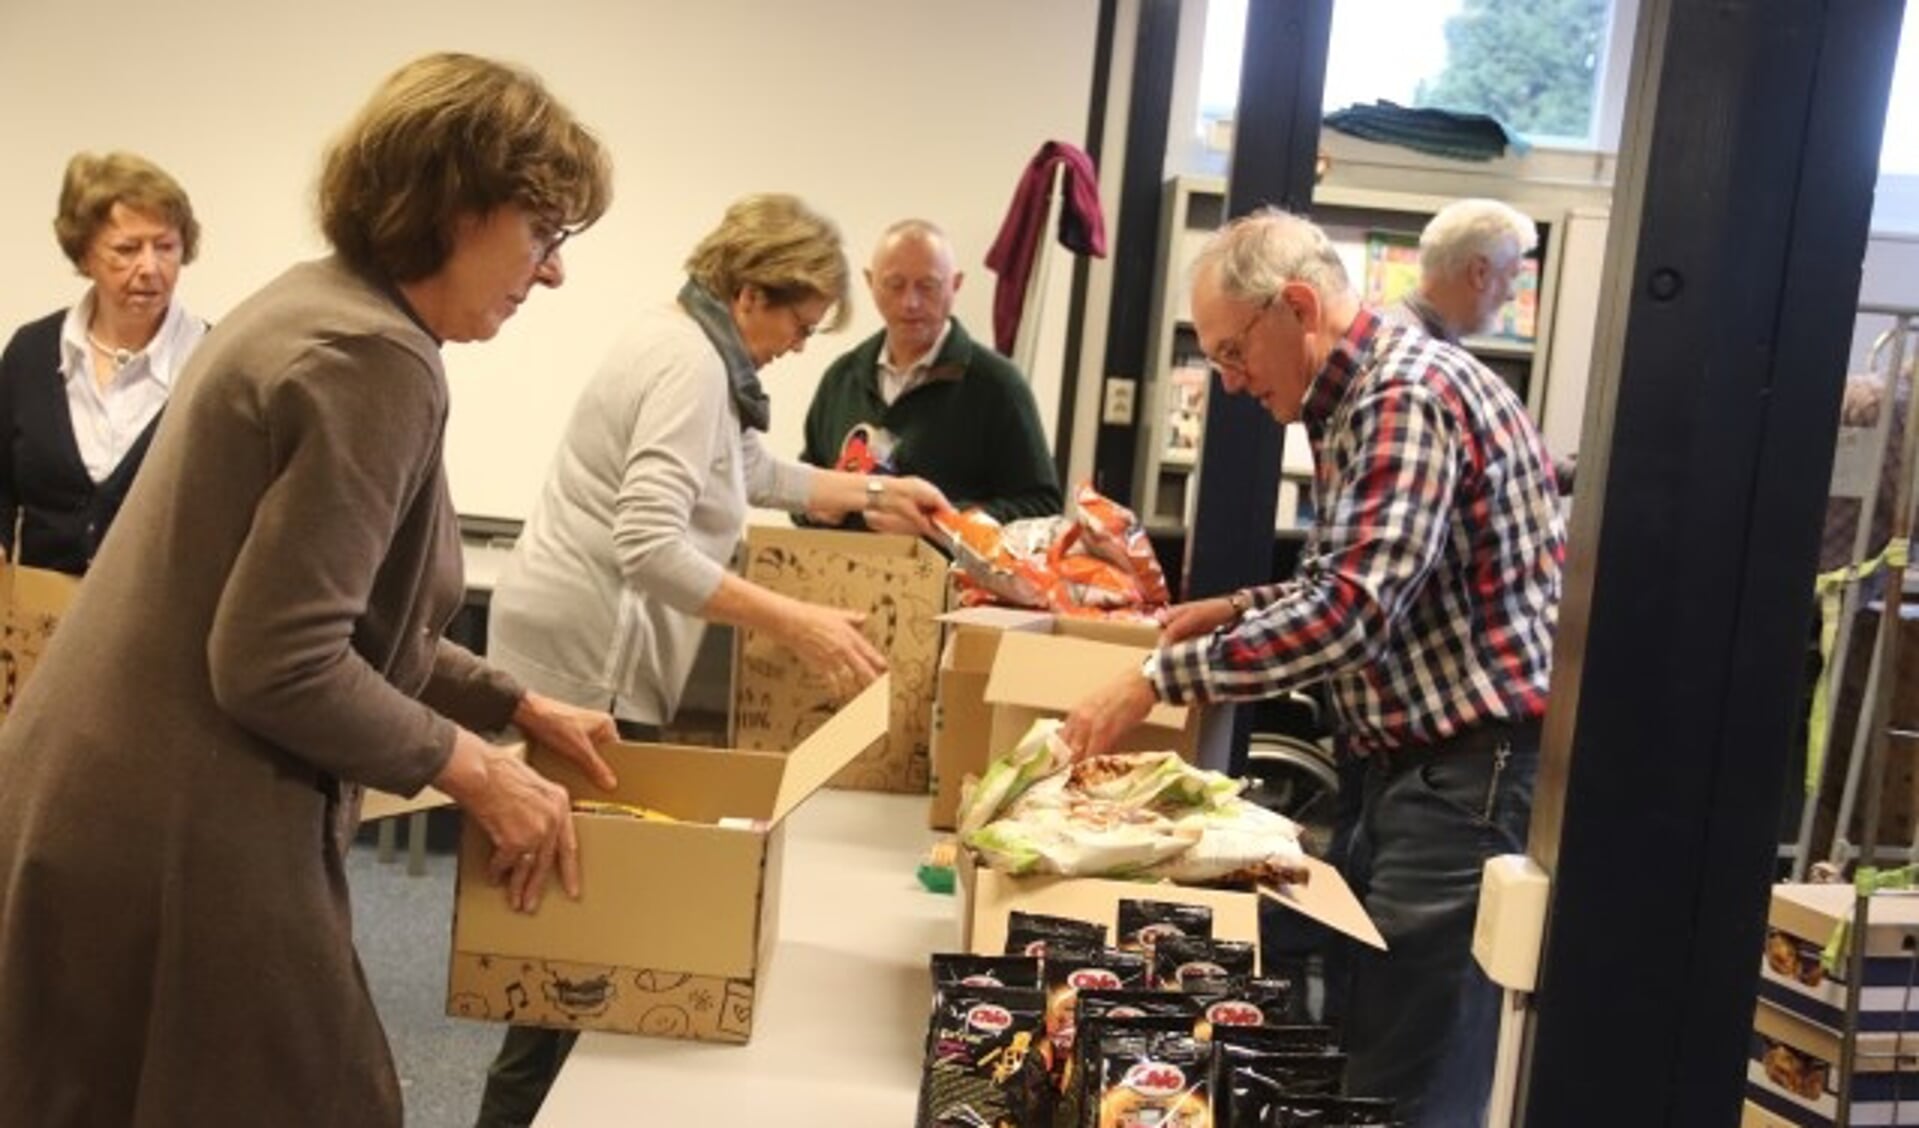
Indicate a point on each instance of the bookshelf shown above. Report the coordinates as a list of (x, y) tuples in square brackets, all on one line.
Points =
[(1377, 235)]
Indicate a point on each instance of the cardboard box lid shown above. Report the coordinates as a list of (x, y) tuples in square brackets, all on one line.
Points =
[(1055, 673), (852, 730), (1326, 898)]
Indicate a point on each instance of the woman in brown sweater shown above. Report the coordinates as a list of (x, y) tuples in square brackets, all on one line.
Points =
[(260, 639)]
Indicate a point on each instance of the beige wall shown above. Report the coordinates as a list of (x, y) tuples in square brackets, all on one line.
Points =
[(872, 111)]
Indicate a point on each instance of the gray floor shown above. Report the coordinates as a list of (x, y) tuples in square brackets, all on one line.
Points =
[(402, 925)]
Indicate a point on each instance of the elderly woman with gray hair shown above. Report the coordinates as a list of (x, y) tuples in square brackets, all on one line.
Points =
[(81, 389)]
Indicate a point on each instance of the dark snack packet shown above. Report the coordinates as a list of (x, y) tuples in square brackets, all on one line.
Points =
[(1328, 1112), (1277, 1038), (1142, 923), (983, 1063), (1033, 934), (1179, 960), (1100, 1012), (1247, 1078), (1152, 1078), (1069, 973), (964, 969), (1255, 1002)]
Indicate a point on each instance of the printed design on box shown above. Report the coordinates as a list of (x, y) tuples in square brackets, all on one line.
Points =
[(778, 702), (1792, 978), (556, 993), (23, 639)]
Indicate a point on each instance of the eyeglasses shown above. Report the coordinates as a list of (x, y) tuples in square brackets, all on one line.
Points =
[(1231, 353), (804, 328), (547, 241)]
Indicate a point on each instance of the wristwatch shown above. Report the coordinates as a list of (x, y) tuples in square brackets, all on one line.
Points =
[(875, 491)]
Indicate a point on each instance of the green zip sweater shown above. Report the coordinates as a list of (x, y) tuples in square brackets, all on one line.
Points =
[(971, 428)]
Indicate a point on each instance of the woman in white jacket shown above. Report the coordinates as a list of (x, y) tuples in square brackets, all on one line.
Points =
[(623, 561)]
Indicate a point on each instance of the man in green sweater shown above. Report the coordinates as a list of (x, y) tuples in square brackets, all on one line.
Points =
[(922, 398)]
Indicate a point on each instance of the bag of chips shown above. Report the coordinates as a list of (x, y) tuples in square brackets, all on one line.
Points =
[(983, 1063)]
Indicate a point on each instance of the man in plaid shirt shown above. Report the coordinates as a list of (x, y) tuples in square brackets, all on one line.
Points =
[(1425, 600)]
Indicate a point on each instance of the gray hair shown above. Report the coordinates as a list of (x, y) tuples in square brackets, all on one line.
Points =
[(1259, 253), (923, 229), (1466, 228)]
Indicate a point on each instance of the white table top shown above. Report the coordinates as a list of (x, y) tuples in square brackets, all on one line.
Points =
[(837, 1037)]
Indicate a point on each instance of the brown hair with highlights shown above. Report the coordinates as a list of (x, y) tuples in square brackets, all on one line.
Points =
[(451, 135)]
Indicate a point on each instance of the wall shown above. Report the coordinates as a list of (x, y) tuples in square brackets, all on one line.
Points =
[(870, 111)]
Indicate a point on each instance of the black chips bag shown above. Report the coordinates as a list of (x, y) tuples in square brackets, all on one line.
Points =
[(1181, 960), (1102, 1011), (1327, 1112), (1034, 934), (1151, 1078), (1142, 923), (983, 1067)]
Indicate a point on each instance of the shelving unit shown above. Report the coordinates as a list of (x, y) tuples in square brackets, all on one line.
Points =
[(1192, 208)]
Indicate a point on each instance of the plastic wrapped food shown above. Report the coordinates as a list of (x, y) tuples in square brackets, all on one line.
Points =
[(1113, 533), (1146, 815), (1099, 561)]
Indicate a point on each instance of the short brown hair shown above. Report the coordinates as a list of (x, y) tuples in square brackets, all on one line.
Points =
[(449, 135), (93, 184), (776, 243)]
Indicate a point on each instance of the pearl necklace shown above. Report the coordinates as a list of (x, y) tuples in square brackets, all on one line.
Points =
[(120, 357)]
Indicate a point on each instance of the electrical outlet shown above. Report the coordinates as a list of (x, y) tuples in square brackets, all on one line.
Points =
[(1118, 408)]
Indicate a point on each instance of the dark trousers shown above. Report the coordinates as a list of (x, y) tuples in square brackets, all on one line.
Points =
[(530, 1056), (521, 1073), (1421, 1020)]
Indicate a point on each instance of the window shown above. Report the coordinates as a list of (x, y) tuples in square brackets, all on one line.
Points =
[(1540, 66), (1899, 151)]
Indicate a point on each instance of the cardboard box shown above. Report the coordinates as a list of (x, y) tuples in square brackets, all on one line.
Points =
[(899, 584), (962, 718), (987, 896), (1800, 922), (1792, 1072), (972, 722), (676, 920), (1039, 676)]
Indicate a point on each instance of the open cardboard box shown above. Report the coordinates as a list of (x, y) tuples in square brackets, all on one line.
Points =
[(987, 896), (983, 709), (676, 921), (899, 584)]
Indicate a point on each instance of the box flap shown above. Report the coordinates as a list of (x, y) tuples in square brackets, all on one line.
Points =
[(1054, 673), (1000, 619), (1127, 632), (835, 744), (1326, 898)]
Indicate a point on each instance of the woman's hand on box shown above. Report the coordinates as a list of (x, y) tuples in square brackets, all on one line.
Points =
[(829, 641), (527, 817), (906, 505), (571, 731)]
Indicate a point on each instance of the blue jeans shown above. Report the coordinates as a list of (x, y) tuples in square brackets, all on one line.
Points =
[(1421, 1019)]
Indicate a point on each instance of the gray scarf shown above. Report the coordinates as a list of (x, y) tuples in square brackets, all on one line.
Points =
[(742, 378)]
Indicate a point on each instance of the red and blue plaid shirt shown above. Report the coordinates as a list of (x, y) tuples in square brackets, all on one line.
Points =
[(1429, 586)]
